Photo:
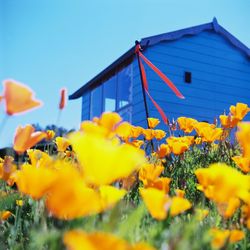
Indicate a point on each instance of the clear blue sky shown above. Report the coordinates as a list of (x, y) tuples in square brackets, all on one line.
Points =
[(49, 44)]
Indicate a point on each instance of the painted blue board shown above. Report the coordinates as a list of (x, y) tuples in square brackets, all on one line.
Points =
[(86, 106)]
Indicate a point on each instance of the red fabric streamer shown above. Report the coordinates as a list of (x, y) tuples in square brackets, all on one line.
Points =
[(161, 75)]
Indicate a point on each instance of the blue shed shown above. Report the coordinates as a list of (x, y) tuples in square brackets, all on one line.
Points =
[(207, 64)]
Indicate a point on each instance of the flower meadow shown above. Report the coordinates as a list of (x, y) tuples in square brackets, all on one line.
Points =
[(113, 185)]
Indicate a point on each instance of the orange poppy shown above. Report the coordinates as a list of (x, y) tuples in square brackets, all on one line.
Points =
[(26, 137), (18, 98)]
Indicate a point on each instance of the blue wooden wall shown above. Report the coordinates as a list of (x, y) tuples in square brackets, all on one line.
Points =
[(220, 78), (85, 106)]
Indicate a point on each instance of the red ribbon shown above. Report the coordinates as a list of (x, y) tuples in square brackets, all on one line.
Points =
[(161, 75)]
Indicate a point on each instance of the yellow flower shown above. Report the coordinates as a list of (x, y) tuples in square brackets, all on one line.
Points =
[(228, 209), (110, 196), (228, 121), (7, 168), (180, 193), (161, 183), (109, 120), (245, 213), (159, 134), (179, 205), (198, 140), (179, 145), (149, 173), (50, 135), (153, 122), (38, 158), (201, 214), (68, 196), (123, 130), (34, 181), (19, 203), (18, 98), (136, 131), (243, 163), (137, 143), (80, 240), (209, 134), (221, 182), (148, 133), (220, 237), (26, 137), (239, 111), (243, 137), (142, 246), (156, 202), (5, 215), (62, 143), (163, 150), (104, 161), (186, 124)]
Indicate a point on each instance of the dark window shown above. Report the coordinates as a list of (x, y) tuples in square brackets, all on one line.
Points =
[(109, 94), (124, 87), (188, 77), (96, 102)]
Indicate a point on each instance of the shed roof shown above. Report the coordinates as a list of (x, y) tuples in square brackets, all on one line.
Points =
[(152, 40)]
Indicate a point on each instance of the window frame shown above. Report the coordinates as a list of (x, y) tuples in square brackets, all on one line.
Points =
[(101, 85)]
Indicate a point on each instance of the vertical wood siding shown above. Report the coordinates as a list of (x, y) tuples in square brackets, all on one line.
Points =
[(85, 106)]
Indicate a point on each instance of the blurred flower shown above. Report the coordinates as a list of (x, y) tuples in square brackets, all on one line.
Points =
[(110, 196), (201, 214), (180, 193), (7, 168), (80, 240), (149, 173), (221, 183), (5, 215), (243, 163), (153, 122), (62, 143), (104, 161), (137, 143), (19, 203), (220, 237), (26, 137), (179, 205), (158, 203), (34, 181), (245, 213), (39, 158), (18, 97), (243, 137), (123, 130), (63, 98), (69, 198)]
